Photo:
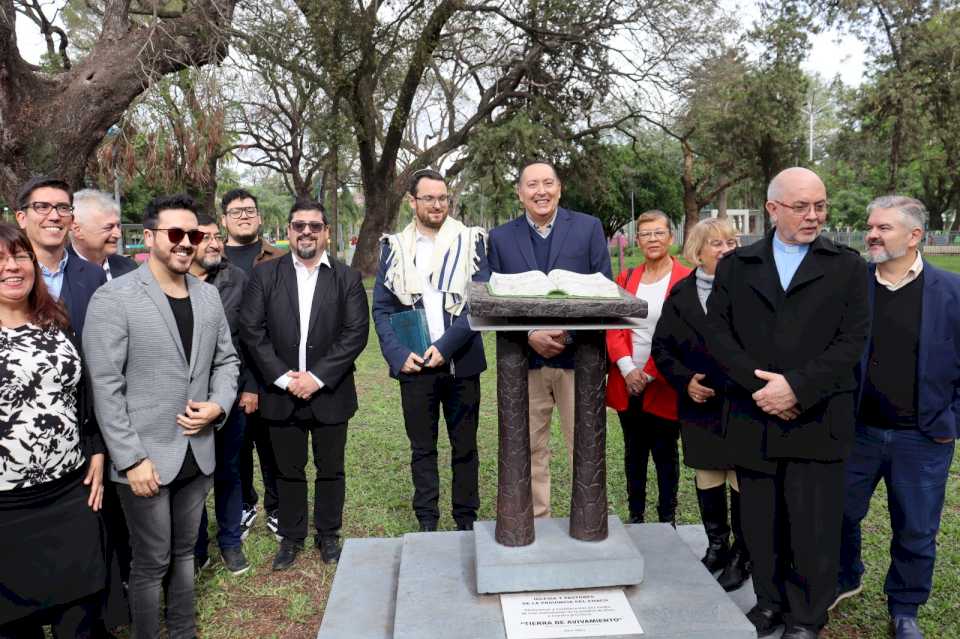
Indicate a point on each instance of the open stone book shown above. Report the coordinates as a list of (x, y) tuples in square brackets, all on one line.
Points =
[(558, 283)]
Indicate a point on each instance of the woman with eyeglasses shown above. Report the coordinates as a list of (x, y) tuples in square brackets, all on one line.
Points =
[(643, 399), (51, 461), (682, 358)]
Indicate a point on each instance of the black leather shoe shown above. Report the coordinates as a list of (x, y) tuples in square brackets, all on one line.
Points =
[(635, 518), (905, 628), (286, 555), (329, 548), (799, 632), (428, 526), (766, 621), (464, 525)]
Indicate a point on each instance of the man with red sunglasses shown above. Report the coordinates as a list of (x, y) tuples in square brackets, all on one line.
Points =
[(304, 322), (165, 370)]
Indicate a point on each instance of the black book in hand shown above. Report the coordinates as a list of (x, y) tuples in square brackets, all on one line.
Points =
[(411, 329)]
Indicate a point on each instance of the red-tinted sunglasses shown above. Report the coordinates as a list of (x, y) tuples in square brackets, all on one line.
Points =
[(176, 235)]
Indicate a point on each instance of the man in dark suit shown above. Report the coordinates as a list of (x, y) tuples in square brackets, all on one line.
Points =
[(789, 318), (546, 237), (428, 266), (95, 233), (45, 212), (304, 322), (909, 409)]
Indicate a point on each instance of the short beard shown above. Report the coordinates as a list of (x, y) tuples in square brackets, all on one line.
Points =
[(249, 238), (304, 254), (209, 263), (885, 256), (425, 222)]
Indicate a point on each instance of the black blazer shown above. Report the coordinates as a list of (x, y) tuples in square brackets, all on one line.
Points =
[(813, 333), (339, 328), (80, 279)]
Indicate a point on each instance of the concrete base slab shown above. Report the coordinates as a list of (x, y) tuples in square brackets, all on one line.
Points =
[(362, 602), (555, 560), (434, 592)]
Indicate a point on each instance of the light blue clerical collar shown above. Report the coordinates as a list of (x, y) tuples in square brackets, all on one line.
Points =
[(782, 247)]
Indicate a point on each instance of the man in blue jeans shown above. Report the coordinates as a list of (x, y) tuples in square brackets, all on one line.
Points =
[(909, 409), (210, 265)]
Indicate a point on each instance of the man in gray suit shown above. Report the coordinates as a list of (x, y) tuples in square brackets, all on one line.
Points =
[(165, 370)]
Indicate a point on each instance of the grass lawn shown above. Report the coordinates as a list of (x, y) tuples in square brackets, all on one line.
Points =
[(290, 604)]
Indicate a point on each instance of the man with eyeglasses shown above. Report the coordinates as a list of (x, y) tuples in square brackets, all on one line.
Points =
[(212, 267), (45, 213), (96, 231), (543, 238), (428, 266), (304, 322), (789, 318), (165, 370), (245, 248)]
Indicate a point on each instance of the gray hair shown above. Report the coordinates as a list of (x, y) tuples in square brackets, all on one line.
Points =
[(913, 211), (87, 201)]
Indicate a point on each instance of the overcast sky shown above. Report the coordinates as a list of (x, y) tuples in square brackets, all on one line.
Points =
[(830, 55)]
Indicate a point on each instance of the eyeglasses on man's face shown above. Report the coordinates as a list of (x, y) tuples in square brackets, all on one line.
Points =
[(801, 208), (242, 211), (45, 208), (176, 235), (649, 235), (431, 200), (300, 226)]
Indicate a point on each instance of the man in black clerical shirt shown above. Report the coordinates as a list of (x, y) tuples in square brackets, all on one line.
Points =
[(909, 407), (245, 248)]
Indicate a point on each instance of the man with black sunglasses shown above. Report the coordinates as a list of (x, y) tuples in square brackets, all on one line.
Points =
[(164, 367), (304, 322)]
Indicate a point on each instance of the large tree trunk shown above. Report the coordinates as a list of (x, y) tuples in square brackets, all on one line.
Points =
[(331, 179), (52, 124), (382, 204), (691, 203), (722, 204)]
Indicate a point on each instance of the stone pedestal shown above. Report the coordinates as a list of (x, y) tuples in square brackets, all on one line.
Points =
[(429, 580), (556, 561)]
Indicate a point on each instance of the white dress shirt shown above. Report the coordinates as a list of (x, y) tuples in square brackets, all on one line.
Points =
[(654, 294), (432, 297), (105, 266), (306, 285)]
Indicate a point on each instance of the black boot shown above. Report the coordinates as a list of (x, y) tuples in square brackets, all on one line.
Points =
[(739, 568), (713, 512)]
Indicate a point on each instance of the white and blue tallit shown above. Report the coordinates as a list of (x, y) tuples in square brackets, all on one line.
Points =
[(455, 260)]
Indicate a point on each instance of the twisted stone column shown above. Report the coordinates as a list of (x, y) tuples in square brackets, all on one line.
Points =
[(588, 507), (514, 495)]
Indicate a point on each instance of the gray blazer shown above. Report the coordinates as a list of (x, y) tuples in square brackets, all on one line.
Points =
[(140, 375)]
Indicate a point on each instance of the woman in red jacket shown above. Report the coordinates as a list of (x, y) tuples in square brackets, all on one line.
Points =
[(644, 401)]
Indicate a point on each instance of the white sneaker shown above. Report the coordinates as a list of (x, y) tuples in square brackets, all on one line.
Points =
[(248, 515)]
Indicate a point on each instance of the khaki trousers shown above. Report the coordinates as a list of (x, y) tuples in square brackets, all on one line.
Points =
[(548, 387)]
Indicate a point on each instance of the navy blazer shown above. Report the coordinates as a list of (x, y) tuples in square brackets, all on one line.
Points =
[(121, 265), (459, 345), (938, 356), (80, 279), (578, 245)]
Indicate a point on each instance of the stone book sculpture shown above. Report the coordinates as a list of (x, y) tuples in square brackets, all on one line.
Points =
[(588, 510)]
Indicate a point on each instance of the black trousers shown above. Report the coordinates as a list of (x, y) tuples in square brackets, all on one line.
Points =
[(644, 434), (289, 441), (256, 434), (422, 396), (791, 523), (74, 620)]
